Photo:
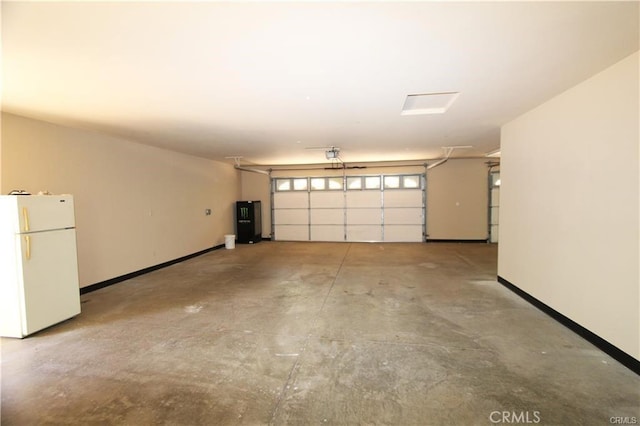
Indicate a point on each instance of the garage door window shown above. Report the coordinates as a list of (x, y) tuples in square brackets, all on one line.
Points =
[(411, 181), (283, 184), (318, 184), (372, 182), (354, 183), (326, 184), (292, 184), (391, 182), (300, 184), (335, 183), (402, 182)]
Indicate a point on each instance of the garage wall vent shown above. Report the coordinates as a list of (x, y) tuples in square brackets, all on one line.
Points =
[(428, 103)]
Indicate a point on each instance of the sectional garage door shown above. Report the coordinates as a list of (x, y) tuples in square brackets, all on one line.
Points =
[(350, 208)]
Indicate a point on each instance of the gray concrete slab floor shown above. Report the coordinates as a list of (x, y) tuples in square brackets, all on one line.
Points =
[(314, 333)]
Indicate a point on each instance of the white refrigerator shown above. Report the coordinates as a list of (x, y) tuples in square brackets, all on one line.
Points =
[(38, 263)]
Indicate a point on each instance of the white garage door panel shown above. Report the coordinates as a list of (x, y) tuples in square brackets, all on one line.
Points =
[(403, 216), (364, 199), (403, 233), (327, 233), (287, 200), (364, 216), (292, 233), (364, 233), (327, 217), (403, 198), (327, 199), (290, 216)]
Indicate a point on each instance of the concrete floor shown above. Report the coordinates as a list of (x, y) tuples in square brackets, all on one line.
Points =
[(314, 333)]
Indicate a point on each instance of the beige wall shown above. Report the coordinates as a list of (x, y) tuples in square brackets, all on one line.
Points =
[(569, 219), (457, 200), (1, 187), (136, 206)]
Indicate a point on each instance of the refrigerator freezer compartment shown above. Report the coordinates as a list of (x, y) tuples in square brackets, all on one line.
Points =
[(20, 214)]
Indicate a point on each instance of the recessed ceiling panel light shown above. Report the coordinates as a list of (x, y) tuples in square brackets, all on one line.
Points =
[(428, 103)]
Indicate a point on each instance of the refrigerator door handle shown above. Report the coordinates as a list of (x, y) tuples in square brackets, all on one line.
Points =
[(28, 251), (25, 216)]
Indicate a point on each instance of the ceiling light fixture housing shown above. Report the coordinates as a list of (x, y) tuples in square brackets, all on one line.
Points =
[(428, 103)]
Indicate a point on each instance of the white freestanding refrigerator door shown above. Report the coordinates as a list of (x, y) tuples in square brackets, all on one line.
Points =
[(49, 281), (44, 212)]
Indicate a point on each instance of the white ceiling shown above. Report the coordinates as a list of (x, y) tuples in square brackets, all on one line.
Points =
[(264, 80)]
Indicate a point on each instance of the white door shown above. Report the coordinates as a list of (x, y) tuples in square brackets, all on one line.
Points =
[(49, 278)]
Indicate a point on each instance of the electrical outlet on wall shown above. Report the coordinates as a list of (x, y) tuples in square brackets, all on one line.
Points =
[(207, 212)]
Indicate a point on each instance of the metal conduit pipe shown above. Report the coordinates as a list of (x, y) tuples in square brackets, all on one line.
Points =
[(447, 153), (245, 169), (355, 165), (358, 166), (437, 163)]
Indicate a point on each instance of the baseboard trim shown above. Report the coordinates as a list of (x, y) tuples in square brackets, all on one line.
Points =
[(116, 280), (429, 240), (616, 353)]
